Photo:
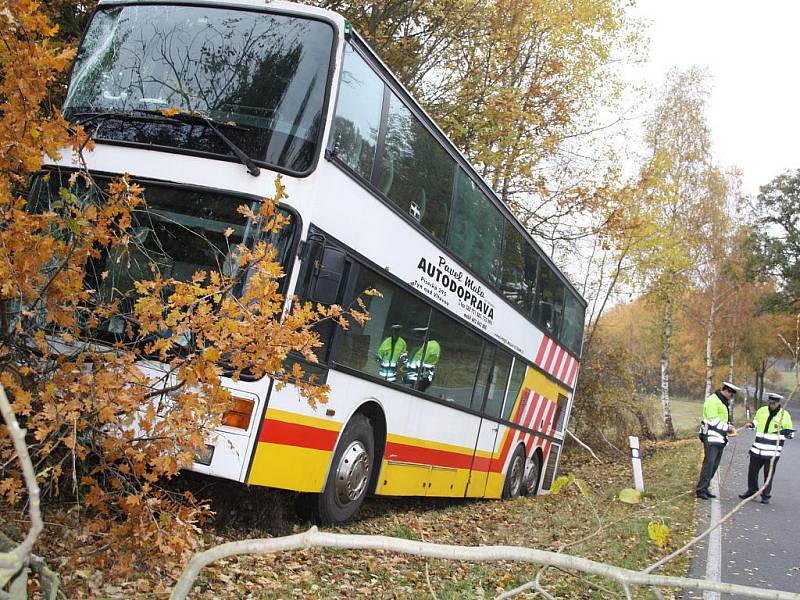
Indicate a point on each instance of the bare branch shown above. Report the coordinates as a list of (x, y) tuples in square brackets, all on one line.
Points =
[(575, 437), (315, 538), (13, 561)]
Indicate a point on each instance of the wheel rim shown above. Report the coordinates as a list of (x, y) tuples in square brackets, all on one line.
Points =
[(532, 478), (516, 475), (352, 473)]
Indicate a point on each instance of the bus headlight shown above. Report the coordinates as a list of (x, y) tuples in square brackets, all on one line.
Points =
[(204, 456)]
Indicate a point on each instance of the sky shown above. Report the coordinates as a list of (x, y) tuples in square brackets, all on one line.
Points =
[(752, 51)]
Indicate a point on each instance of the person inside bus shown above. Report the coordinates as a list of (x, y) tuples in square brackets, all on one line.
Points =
[(391, 354), (422, 366)]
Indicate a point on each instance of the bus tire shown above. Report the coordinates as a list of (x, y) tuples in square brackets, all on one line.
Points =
[(516, 471), (530, 484), (350, 473)]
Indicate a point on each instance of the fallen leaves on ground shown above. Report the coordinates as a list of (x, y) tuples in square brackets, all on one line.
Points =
[(547, 522)]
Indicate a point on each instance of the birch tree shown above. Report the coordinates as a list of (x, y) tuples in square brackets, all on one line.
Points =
[(673, 205)]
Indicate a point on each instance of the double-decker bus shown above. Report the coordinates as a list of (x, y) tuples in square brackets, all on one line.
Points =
[(460, 383)]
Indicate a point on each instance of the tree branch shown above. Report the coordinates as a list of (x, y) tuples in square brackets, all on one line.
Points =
[(315, 538), (11, 562)]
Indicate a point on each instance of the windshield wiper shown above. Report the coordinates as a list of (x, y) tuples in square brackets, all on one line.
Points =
[(83, 118), (193, 117)]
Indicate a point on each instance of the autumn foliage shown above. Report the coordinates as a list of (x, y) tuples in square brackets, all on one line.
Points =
[(102, 431)]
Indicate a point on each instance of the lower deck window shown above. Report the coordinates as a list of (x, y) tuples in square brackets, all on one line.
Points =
[(176, 233)]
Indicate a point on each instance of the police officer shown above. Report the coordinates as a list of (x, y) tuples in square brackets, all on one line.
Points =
[(714, 431), (773, 426), (391, 354)]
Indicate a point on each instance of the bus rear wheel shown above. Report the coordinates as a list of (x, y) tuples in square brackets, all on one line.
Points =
[(530, 484), (516, 471), (350, 473)]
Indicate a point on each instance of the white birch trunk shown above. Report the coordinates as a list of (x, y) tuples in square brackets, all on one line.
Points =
[(320, 539), (666, 348), (710, 349)]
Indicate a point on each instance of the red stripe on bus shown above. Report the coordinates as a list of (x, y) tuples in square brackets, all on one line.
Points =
[(540, 412), (563, 356), (294, 434), (542, 348), (511, 436), (548, 419), (525, 438), (432, 456), (565, 369), (572, 373), (550, 356), (534, 407), (531, 407), (525, 396), (560, 366)]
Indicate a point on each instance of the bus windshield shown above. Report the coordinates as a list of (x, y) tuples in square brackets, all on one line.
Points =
[(262, 77)]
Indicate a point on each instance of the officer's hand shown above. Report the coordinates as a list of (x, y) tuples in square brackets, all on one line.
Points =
[(732, 430), (750, 425)]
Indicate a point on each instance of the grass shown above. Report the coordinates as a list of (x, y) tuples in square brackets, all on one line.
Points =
[(686, 415), (544, 522)]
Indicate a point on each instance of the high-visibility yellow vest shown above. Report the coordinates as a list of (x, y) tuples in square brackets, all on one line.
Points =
[(715, 421), (390, 351), (432, 352), (769, 439)]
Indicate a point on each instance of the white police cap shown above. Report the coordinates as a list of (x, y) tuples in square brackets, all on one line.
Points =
[(730, 386), (774, 397)]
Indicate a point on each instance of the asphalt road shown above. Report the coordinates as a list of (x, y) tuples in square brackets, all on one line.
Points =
[(760, 545)]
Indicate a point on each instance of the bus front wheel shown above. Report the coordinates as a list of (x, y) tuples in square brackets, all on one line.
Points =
[(350, 473), (516, 471)]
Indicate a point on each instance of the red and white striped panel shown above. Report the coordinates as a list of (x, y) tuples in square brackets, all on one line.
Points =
[(543, 419), (556, 361)]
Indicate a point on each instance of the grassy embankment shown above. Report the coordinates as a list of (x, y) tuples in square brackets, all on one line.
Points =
[(686, 415), (545, 522)]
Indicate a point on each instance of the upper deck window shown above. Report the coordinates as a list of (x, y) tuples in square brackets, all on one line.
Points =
[(477, 234), (416, 172), (358, 114), (260, 78)]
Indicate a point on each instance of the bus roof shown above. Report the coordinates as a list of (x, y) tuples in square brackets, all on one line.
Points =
[(277, 5)]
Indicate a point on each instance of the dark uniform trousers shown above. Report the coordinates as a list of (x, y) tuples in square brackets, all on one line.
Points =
[(713, 454), (756, 464)]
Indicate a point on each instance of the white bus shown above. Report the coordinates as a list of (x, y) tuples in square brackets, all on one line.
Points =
[(460, 383)]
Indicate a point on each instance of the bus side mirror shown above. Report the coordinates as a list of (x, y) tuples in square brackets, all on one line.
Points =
[(327, 270)]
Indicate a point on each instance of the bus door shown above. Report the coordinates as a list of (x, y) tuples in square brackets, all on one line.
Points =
[(487, 397)]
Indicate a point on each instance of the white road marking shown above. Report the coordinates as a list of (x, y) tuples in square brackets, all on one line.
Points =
[(714, 558)]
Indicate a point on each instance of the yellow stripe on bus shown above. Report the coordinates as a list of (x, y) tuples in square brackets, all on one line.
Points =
[(494, 485), (290, 417), (289, 467)]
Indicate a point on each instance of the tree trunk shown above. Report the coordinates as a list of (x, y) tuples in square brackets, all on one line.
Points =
[(709, 349), (645, 432), (730, 362), (758, 393), (669, 430), (746, 403)]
